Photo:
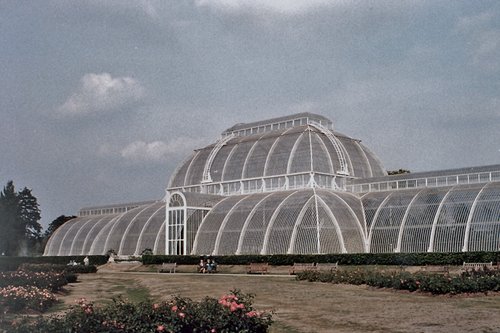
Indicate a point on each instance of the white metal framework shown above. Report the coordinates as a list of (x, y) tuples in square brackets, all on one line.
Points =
[(293, 185)]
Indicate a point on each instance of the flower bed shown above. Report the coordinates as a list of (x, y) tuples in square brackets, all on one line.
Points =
[(28, 290), (475, 281), (230, 313), (16, 299), (52, 281)]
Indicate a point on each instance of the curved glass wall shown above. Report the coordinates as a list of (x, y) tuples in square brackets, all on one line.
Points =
[(127, 233), (447, 219), (301, 221), (280, 186)]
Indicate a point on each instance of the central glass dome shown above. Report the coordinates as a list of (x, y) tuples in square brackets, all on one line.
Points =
[(296, 151)]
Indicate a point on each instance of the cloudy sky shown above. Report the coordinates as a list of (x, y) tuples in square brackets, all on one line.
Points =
[(100, 100)]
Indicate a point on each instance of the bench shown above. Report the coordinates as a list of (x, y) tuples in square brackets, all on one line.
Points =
[(477, 265), (436, 269), (299, 267), (258, 267), (327, 266), (169, 267)]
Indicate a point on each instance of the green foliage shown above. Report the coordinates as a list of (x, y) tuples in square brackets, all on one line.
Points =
[(52, 281), (231, 313), (20, 230), (398, 259), (398, 172), (16, 299), (75, 269), (474, 281), (56, 224), (12, 263)]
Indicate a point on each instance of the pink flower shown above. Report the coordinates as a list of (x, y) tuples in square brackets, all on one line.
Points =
[(160, 328), (213, 330), (156, 306), (251, 314), (175, 308), (182, 314)]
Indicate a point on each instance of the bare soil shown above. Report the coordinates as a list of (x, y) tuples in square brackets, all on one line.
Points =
[(301, 306)]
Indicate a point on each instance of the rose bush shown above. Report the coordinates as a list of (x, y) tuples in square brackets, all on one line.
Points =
[(230, 313), (15, 299), (53, 281), (474, 281)]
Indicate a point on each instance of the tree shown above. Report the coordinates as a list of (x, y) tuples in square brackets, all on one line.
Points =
[(398, 172), (29, 214), (10, 229), (20, 231), (56, 224)]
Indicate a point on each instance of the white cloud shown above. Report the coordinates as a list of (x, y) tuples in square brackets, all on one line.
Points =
[(155, 151), (99, 93)]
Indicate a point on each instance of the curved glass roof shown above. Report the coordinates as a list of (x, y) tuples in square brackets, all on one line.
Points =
[(274, 187), (300, 221), (127, 233), (299, 149), (446, 219)]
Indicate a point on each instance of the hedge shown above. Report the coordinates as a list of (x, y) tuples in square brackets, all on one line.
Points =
[(12, 263), (399, 259)]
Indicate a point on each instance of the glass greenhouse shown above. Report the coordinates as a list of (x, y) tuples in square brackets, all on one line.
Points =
[(295, 185)]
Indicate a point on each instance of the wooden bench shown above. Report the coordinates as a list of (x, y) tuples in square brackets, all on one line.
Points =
[(477, 265), (169, 267), (299, 267), (258, 267), (436, 269), (327, 266)]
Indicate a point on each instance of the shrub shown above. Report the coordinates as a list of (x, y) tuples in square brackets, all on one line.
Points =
[(12, 263), (399, 259), (474, 281), (15, 299), (231, 313), (52, 281), (76, 269)]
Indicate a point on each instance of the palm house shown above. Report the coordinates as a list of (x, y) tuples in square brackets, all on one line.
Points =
[(294, 185)]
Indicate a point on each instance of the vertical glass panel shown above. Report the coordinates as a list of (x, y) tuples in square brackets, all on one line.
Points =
[(231, 232), (278, 160), (235, 163), (281, 230), (252, 240), (385, 230), (301, 157), (306, 240), (452, 220), (419, 221), (484, 232), (259, 155)]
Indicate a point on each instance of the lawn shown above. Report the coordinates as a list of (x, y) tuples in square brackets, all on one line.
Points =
[(302, 306)]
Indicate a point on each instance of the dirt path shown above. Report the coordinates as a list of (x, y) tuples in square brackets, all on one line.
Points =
[(308, 307)]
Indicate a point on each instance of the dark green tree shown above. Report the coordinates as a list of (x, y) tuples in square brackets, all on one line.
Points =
[(56, 224), (20, 230), (398, 172), (29, 214), (11, 231)]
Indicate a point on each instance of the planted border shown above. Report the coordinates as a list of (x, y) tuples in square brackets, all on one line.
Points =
[(13, 263), (474, 281), (397, 259), (230, 313)]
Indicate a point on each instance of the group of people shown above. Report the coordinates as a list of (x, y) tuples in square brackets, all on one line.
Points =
[(207, 266)]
